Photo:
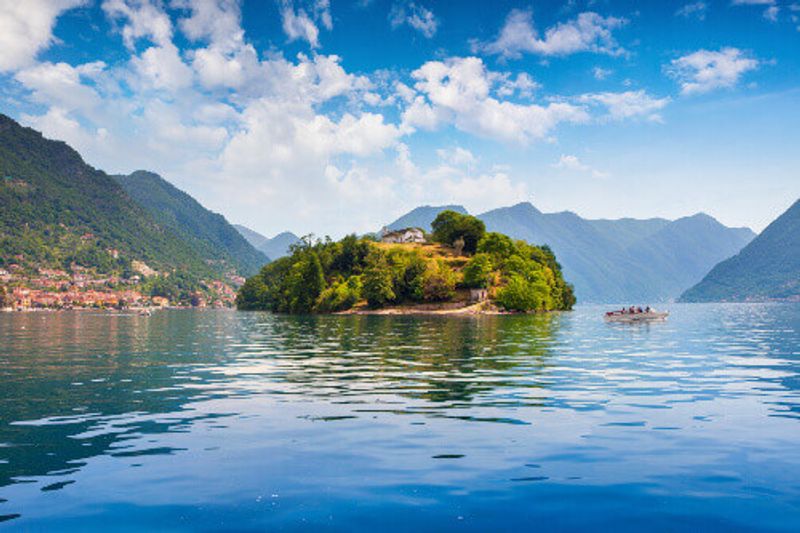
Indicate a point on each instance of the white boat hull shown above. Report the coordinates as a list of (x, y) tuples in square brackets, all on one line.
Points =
[(637, 317)]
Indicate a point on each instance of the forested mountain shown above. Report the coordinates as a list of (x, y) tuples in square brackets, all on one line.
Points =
[(273, 248), (57, 211), (207, 233), (766, 269), (624, 260)]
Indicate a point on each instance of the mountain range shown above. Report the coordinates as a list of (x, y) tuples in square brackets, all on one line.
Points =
[(619, 261), (274, 248), (58, 211), (766, 269)]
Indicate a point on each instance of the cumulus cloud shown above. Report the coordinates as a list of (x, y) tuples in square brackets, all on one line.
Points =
[(459, 91), (572, 163), (26, 28), (588, 32), (693, 10), (705, 70), (414, 15)]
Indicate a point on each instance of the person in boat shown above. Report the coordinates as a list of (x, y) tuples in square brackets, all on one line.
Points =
[(647, 309), (639, 310)]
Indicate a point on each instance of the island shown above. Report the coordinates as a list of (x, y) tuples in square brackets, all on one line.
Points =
[(458, 268)]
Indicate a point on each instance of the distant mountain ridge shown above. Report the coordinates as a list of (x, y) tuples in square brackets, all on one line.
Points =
[(615, 261), (768, 268), (208, 233), (274, 248)]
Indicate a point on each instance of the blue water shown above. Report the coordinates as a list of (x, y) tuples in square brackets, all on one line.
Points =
[(206, 420)]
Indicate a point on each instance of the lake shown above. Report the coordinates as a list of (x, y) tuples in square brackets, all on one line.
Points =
[(221, 420)]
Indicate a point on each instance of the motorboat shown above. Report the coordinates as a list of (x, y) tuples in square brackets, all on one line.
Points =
[(635, 315)]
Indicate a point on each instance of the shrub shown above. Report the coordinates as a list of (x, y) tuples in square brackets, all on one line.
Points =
[(340, 295), (439, 282)]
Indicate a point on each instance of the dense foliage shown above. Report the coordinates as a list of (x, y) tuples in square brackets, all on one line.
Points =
[(327, 276)]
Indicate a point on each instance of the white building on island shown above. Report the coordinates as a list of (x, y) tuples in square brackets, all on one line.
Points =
[(405, 235)]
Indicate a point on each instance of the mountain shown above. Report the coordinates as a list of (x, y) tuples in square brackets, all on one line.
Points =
[(253, 237), (57, 210), (619, 261), (273, 248), (208, 234), (423, 216), (766, 269)]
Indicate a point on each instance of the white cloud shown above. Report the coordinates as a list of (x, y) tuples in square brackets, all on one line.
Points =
[(571, 162), (144, 19), (301, 22), (628, 104), (588, 32), (693, 10), (705, 70), (418, 17), (459, 91), (771, 13), (60, 84), (752, 2), (460, 157), (26, 28), (600, 73), (161, 67)]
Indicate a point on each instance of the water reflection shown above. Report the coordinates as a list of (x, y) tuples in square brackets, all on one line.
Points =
[(385, 409)]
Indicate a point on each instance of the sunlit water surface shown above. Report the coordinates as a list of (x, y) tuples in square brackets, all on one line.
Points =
[(205, 420)]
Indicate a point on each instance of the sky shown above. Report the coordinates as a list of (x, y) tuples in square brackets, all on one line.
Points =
[(337, 116)]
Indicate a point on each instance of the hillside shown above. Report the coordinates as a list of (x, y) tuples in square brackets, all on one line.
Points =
[(766, 269), (208, 234), (58, 211), (273, 248), (625, 260)]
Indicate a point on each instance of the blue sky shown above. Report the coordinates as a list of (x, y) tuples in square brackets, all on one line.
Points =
[(330, 116)]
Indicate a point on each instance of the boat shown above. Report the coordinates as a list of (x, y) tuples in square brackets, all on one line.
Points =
[(636, 316)]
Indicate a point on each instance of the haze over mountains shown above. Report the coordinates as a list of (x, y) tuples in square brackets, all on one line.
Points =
[(766, 269), (618, 261), (274, 248)]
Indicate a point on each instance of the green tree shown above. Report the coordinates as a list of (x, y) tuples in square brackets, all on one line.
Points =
[(378, 286), (306, 282), (520, 294), (497, 245), (450, 226), (478, 271)]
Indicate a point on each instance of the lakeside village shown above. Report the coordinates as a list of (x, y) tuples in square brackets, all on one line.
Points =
[(30, 288)]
